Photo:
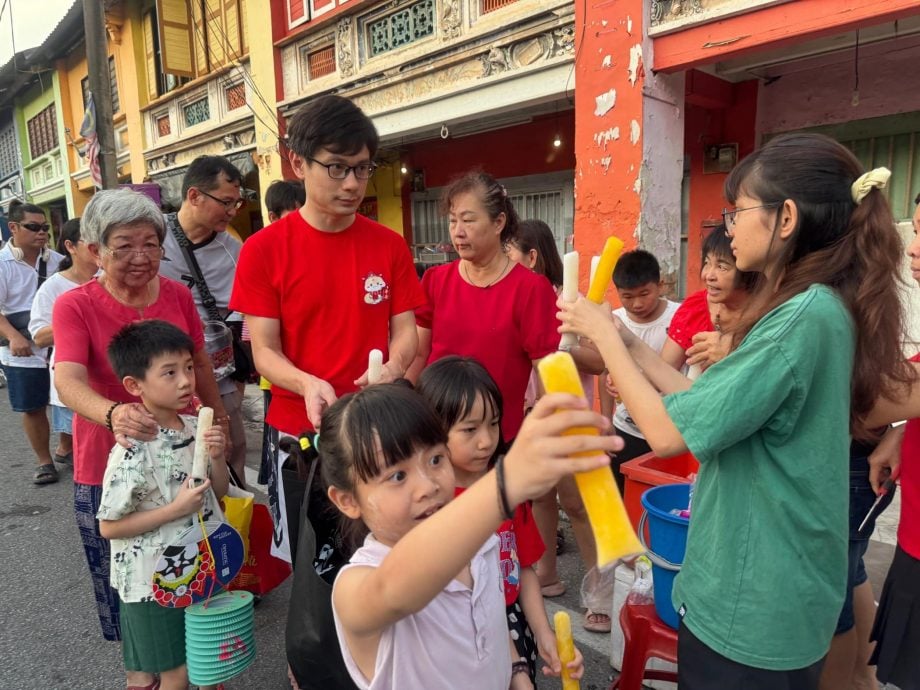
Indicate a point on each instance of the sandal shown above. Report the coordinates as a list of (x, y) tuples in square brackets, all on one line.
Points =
[(155, 685), (45, 474), (596, 622), (66, 459), (553, 589)]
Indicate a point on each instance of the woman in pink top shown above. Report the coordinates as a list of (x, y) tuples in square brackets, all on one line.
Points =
[(420, 605), (124, 231), (484, 305)]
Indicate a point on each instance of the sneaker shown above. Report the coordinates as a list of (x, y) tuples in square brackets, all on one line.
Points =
[(2, 379)]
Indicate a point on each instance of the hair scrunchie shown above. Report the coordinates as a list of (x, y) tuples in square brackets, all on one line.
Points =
[(866, 182)]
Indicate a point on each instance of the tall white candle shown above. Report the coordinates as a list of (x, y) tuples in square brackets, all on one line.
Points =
[(374, 366), (200, 461), (595, 260), (569, 293)]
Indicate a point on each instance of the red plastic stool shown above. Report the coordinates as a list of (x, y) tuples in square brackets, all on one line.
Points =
[(645, 635)]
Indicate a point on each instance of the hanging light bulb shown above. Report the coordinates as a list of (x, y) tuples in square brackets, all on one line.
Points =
[(403, 169), (557, 142)]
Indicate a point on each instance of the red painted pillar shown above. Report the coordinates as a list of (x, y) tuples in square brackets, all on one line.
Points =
[(608, 124)]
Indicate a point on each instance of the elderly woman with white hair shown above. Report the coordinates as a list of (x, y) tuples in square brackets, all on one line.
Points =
[(124, 231)]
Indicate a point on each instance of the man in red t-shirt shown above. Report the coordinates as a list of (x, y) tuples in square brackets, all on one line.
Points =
[(323, 287)]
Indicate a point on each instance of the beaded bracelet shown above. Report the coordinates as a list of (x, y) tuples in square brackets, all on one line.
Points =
[(503, 504), (108, 416), (520, 667)]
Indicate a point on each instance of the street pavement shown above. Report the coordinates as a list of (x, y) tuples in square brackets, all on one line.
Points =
[(49, 634)]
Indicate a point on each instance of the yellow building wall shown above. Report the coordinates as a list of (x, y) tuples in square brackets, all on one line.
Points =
[(385, 186), (71, 71), (262, 69)]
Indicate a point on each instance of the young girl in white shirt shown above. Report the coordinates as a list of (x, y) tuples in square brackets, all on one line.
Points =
[(421, 603)]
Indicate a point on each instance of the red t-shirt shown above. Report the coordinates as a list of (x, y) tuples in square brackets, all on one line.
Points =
[(85, 320), (521, 546), (334, 294), (691, 317), (504, 326), (909, 526)]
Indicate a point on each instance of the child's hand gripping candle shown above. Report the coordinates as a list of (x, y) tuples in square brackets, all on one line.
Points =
[(200, 459), (565, 646), (569, 293), (374, 367), (603, 274), (612, 530)]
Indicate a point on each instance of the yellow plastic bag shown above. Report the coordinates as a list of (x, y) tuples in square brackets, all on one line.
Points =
[(237, 507)]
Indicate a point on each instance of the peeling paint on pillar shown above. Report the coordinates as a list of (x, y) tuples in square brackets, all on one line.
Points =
[(635, 59), (605, 102), (607, 98), (634, 132), (602, 138)]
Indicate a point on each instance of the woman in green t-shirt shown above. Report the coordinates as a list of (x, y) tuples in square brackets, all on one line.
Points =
[(764, 575)]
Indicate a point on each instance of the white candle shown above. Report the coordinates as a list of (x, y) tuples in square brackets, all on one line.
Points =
[(374, 366), (569, 293), (595, 260), (200, 461)]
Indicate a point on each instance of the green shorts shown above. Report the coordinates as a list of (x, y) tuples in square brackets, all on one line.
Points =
[(153, 637)]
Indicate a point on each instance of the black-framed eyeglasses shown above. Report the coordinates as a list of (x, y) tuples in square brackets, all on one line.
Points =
[(728, 217), (339, 171), (35, 227), (229, 204), (149, 253)]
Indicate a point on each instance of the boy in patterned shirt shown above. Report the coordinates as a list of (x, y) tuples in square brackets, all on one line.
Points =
[(148, 497)]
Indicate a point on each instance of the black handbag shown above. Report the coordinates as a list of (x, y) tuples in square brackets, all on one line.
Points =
[(20, 319), (311, 643), (244, 369)]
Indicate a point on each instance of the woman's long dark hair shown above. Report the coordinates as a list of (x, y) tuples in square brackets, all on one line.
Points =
[(536, 235), (70, 231), (852, 248)]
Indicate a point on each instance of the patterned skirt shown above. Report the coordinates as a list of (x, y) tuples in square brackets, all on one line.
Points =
[(523, 639), (86, 499)]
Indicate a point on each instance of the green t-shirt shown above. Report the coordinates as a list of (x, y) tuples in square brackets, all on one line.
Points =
[(765, 571)]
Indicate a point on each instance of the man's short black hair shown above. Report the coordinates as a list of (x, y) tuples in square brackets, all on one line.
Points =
[(333, 123), (635, 269), (134, 347), (917, 200), (285, 195), (204, 173)]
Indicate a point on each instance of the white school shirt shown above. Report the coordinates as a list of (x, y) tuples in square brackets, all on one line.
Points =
[(18, 285), (459, 640), (42, 307), (654, 334)]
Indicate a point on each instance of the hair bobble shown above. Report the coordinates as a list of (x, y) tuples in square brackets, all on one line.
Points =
[(504, 191), (865, 183)]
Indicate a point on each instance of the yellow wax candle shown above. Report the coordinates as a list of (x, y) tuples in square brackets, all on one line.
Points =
[(612, 529), (604, 272), (565, 646)]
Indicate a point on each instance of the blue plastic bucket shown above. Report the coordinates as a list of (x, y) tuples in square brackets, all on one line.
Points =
[(668, 537)]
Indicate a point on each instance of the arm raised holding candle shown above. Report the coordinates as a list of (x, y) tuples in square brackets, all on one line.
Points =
[(637, 392)]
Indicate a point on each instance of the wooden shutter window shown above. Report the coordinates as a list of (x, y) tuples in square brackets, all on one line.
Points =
[(244, 28), (150, 61), (231, 33), (213, 15), (201, 39), (175, 30), (297, 12)]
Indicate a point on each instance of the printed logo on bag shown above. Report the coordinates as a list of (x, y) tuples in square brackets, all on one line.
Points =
[(376, 289), (682, 611)]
